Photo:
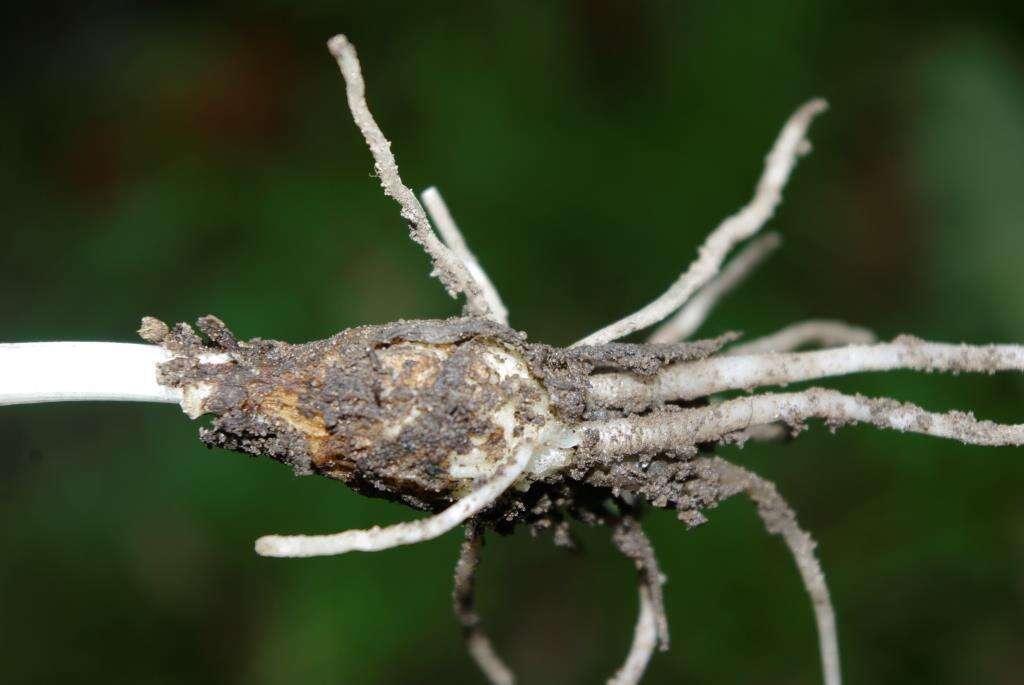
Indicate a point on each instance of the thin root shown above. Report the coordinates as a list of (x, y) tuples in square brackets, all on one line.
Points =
[(652, 622), (464, 602), (779, 519), (674, 430), (411, 532), (820, 333), (453, 274), (779, 163), (452, 237), (631, 540), (691, 317), (701, 378), (645, 639)]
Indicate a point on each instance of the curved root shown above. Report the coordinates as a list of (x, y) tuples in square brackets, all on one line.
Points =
[(464, 603), (779, 519)]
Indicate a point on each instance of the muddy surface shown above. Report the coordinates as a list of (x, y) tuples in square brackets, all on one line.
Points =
[(385, 408)]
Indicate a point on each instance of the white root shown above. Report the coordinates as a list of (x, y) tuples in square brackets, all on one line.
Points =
[(452, 237), (674, 430), (645, 639), (376, 539), (820, 333), (452, 273), (631, 540), (464, 602), (779, 519), (779, 163), (690, 380), (652, 623), (691, 317), (487, 660)]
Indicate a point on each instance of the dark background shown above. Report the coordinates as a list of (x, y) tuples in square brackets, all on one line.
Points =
[(176, 159)]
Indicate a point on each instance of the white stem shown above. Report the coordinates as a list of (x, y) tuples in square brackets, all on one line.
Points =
[(75, 371)]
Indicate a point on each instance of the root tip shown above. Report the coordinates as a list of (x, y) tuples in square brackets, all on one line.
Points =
[(272, 546), (338, 45), (817, 106)]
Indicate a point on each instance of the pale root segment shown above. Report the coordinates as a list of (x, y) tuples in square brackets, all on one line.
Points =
[(779, 519), (817, 333), (694, 313), (633, 543), (464, 602), (452, 237), (690, 380), (651, 629), (377, 538), (645, 639), (675, 430), (791, 143), (452, 273)]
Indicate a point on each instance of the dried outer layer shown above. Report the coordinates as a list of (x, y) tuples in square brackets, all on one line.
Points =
[(645, 359), (389, 409), (416, 411)]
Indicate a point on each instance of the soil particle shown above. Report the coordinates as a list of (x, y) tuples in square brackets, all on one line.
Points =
[(153, 330)]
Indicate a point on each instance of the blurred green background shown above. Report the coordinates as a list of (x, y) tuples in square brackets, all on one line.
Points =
[(181, 158)]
